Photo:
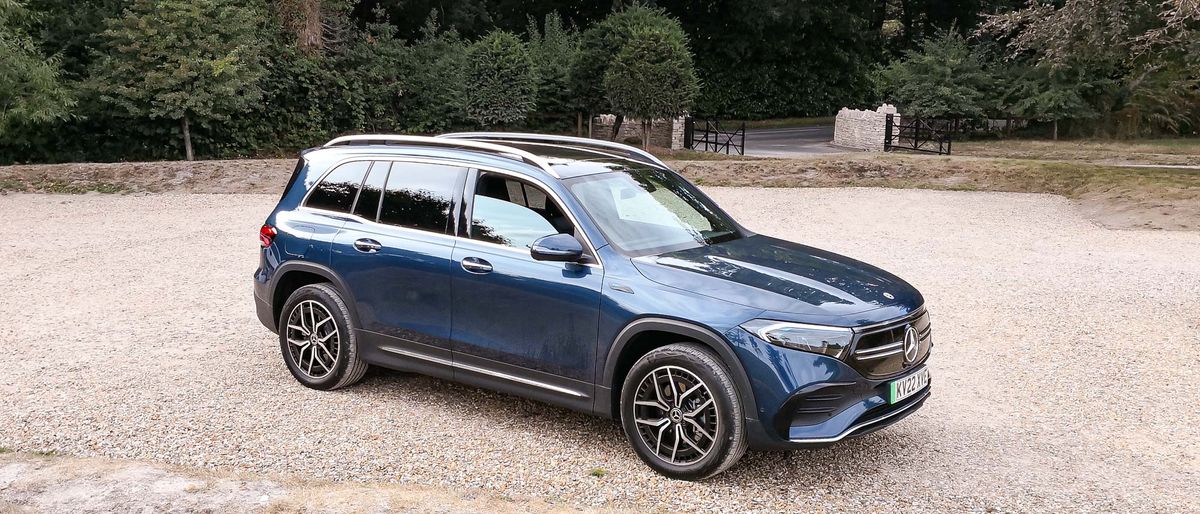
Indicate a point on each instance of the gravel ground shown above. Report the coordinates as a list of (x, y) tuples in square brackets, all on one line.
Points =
[(1066, 364)]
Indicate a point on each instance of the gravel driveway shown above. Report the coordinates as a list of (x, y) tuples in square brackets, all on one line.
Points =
[(1065, 370)]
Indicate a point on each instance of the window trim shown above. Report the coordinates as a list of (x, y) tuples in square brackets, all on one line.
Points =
[(461, 204), (326, 173), (469, 209)]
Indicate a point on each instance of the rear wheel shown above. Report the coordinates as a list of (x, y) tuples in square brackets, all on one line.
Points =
[(681, 412), (316, 337)]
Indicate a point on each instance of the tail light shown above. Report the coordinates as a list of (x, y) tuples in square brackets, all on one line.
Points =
[(266, 235)]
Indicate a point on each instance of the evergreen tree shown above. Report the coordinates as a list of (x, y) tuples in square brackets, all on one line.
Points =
[(553, 49), (600, 44), (500, 79), (652, 77), (944, 78), (182, 60)]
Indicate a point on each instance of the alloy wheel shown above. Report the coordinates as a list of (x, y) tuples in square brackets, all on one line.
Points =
[(676, 415), (314, 341)]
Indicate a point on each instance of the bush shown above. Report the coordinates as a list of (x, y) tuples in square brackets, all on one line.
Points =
[(501, 85)]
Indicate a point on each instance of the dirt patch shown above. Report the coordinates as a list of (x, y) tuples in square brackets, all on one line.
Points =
[(1150, 198), (33, 483), (235, 176)]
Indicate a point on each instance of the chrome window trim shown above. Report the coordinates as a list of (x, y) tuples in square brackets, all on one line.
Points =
[(599, 264), (483, 371), (549, 192)]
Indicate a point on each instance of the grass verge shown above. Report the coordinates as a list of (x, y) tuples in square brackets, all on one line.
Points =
[(1158, 198), (1169, 151)]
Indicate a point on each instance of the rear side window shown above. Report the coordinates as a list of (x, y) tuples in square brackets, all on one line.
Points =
[(337, 190), (367, 205), (420, 196)]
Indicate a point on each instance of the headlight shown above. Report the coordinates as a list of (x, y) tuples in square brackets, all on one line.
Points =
[(831, 341)]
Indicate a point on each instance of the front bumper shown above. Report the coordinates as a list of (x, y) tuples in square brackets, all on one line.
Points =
[(811, 400)]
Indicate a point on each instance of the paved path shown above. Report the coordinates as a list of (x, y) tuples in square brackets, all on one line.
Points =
[(790, 142)]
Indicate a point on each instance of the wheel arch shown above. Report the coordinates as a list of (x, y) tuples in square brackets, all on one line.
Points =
[(293, 275), (644, 335)]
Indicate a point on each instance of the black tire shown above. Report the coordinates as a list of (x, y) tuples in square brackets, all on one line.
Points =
[(345, 367), (727, 422)]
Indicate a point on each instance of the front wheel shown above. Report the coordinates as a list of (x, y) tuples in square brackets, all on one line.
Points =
[(681, 412)]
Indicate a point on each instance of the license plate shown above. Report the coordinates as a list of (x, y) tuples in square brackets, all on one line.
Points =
[(902, 388)]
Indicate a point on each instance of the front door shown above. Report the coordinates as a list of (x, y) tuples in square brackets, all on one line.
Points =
[(523, 326)]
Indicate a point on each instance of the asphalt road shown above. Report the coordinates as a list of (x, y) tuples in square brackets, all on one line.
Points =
[(790, 142)]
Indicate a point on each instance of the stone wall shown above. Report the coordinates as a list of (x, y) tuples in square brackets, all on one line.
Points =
[(863, 130), (662, 133)]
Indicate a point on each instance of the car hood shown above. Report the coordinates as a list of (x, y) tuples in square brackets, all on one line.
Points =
[(788, 278)]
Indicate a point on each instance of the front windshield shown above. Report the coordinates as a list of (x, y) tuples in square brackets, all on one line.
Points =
[(646, 210)]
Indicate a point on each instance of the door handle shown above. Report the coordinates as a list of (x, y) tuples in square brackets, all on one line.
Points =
[(367, 245), (476, 265)]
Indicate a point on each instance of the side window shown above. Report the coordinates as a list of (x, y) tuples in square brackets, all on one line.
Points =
[(367, 205), (337, 190), (513, 213), (420, 196)]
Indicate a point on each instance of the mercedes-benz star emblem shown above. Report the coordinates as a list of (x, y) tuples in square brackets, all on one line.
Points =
[(911, 343)]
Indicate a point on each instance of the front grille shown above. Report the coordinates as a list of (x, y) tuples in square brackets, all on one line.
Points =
[(879, 350)]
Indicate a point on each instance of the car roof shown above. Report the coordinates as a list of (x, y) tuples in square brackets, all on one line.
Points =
[(545, 156)]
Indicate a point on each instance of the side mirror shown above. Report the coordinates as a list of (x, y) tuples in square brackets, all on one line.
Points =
[(558, 248)]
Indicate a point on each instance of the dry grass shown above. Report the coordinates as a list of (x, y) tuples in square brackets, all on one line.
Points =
[(1158, 198), (1178, 151)]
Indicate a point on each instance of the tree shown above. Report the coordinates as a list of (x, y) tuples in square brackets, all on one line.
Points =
[(501, 84), (183, 60), (1052, 93), (944, 78), (553, 49), (651, 77), (599, 46), (30, 88)]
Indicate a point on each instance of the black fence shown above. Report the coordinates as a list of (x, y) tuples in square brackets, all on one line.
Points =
[(713, 138), (918, 135)]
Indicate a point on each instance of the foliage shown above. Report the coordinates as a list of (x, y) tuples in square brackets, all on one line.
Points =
[(600, 44), (435, 84), (31, 90), (652, 77), (1136, 56), (500, 79), (553, 49), (181, 60), (944, 78)]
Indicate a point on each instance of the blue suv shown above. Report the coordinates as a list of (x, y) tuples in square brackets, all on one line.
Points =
[(584, 274)]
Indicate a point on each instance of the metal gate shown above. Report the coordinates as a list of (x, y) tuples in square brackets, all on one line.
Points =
[(712, 138), (917, 135)]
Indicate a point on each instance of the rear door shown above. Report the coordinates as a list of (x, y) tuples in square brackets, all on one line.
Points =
[(395, 254)]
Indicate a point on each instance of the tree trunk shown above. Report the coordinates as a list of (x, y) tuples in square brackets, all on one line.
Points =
[(187, 139), (617, 127), (646, 134), (578, 123), (1055, 130), (590, 125)]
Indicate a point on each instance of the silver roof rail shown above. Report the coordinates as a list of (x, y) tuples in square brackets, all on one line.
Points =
[(636, 154), (503, 151)]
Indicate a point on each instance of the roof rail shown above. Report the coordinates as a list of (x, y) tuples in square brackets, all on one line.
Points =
[(503, 151), (626, 150)]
